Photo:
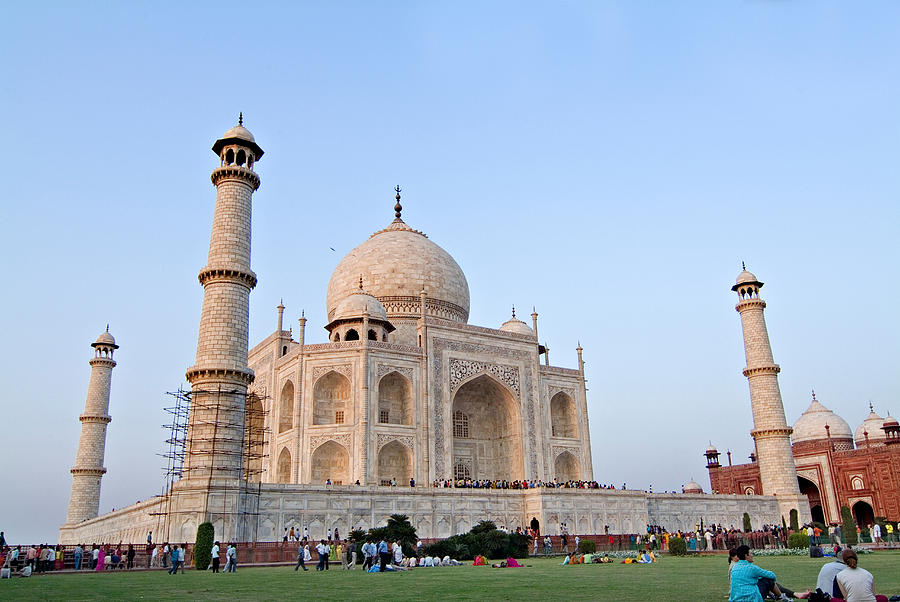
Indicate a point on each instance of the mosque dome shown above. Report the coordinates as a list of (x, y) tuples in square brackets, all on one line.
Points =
[(711, 449), (692, 486), (811, 424), (106, 340), (872, 424), (889, 421), (357, 304), (516, 325), (396, 263), (745, 277)]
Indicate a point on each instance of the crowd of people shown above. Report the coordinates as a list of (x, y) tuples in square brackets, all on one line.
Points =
[(517, 484)]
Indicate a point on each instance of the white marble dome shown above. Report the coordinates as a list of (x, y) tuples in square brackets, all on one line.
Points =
[(692, 486), (396, 263), (872, 424), (239, 131), (811, 424), (357, 304), (105, 339), (516, 325), (745, 277)]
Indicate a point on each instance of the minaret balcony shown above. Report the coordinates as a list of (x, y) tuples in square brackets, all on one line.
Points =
[(235, 172)]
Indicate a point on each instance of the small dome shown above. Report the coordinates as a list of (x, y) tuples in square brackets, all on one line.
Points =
[(872, 424), (357, 304), (105, 339), (711, 449), (516, 325), (692, 486), (889, 421), (745, 277), (811, 424), (239, 131)]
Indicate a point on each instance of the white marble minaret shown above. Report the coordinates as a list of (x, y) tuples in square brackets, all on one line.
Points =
[(220, 376), (84, 501), (772, 435)]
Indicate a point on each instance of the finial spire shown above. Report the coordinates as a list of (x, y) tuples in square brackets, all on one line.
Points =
[(107, 330), (814, 394), (398, 207), (743, 266), (871, 408), (514, 312), (241, 119), (360, 282)]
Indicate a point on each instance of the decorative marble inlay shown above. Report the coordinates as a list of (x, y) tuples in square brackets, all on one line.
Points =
[(461, 370), (384, 369), (385, 438), (345, 369), (339, 438), (556, 450)]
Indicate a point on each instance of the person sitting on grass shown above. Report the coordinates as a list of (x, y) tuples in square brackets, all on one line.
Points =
[(857, 585), (749, 583), (645, 558)]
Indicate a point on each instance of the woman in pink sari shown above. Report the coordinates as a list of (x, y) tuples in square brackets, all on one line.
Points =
[(101, 559)]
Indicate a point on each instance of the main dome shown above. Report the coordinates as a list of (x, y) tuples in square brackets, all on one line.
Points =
[(396, 264)]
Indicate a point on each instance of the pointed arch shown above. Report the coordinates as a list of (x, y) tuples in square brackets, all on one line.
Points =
[(566, 467), (563, 418), (494, 443), (395, 399), (286, 408), (394, 462), (330, 461), (283, 471), (331, 400)]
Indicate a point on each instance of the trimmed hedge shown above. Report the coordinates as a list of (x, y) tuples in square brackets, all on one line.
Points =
[(587, 546), (848, 527), (677, 546), (203, 546), (747, 527), (795, 522), (798, 540)]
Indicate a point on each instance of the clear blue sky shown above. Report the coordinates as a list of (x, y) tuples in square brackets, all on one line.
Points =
[(610, 163)]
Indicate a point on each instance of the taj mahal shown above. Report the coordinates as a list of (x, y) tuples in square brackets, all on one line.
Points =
[(406, 394)]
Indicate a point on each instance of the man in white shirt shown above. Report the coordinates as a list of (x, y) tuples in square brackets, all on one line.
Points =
[(876, 533), (181, 559), (214, 553), (165, 556), (398, 553), (322, 551), (857, 585)]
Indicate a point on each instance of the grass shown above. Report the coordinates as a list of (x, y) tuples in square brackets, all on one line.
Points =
[(703, 578)]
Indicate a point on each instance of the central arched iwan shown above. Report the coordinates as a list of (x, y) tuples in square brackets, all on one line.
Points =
[(492, 443)]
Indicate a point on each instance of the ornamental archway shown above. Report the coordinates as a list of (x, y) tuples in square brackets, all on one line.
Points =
[(487, 430)]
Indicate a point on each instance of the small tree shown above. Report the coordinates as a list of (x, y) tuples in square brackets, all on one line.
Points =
[(586, 546), (747, 522), (357, 535), (203, 546), (848, 527), (795, 521), (677, 546), (798, 540)]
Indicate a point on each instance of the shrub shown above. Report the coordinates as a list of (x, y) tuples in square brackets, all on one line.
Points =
[(677, 546), (747, 526), (795, 522), (587, 546), (798, 540), (483, 540), (203, 546), (398, 528), (848, 527)]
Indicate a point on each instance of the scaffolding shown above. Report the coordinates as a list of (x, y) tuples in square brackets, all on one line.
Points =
[(205, 441)]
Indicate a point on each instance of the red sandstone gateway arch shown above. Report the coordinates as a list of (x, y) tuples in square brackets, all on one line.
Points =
[(487, 430), (811, 490)]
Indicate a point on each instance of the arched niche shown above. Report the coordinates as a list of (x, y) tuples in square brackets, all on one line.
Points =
[(331, 400), (566, 467), (283, 472), (394, 462), (330, 461), (254, 437), (395, 400), (494, 441), (563, 418), (286, 408)]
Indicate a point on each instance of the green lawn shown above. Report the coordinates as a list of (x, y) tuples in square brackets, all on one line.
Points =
[(702, 578)]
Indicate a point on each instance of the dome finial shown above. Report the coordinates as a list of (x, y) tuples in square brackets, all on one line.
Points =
[(871, 408), (398, 207), (743, 266), (514, 311), (107, 330), (241, 119), (360, 282), (814, 394)]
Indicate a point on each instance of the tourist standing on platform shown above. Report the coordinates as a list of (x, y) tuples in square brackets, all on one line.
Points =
[(130, 557), (79, 554)]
